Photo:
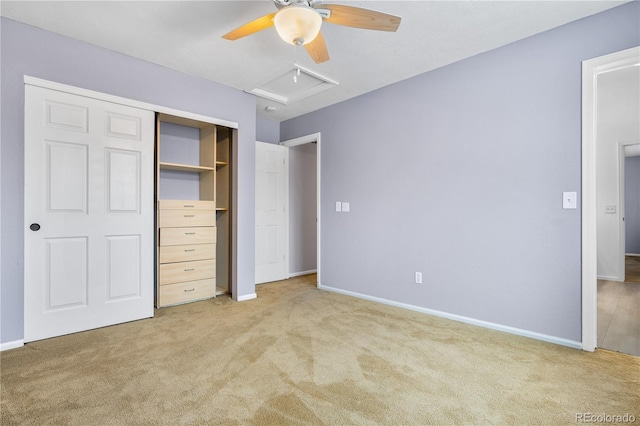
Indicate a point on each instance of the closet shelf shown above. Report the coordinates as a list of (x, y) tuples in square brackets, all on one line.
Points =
[(185, 167)]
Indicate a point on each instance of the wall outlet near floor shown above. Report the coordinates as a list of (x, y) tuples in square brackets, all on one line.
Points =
[(418, 278)]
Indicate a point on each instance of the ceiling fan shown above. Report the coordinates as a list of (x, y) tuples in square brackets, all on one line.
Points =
[(298, 22)]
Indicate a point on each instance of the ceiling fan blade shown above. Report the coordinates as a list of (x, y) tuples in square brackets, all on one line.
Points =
[(357, 17), (259, 24), (318, 49)]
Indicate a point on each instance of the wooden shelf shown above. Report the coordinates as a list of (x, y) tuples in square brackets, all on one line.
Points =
[(184, 167), (206, 158)]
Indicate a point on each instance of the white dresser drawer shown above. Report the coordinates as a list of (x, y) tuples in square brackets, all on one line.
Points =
[(186, 218), (183, 236), (186, 271), (170, 254), (186, 292)]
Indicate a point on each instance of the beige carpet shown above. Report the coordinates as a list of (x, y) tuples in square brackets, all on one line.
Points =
[(298, 355), (632, 266)]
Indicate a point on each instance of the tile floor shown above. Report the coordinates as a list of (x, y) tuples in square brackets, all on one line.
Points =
[(619, 312)]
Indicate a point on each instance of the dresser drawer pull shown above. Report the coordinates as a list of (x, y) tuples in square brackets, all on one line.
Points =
[(188, 205), (189, 215), (189, 233), (188, 250), (187, 291), (190, 269)]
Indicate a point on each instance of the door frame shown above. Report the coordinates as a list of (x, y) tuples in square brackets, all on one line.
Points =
[(313, 138), (591, 69)]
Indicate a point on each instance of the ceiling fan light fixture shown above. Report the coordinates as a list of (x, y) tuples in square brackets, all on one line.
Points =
[(297, 24)]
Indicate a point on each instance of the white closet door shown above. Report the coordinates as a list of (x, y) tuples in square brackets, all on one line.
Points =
[(272, 192), (88, 246)]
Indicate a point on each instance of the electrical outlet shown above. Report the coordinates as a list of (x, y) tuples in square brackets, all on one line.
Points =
[(418, 277)]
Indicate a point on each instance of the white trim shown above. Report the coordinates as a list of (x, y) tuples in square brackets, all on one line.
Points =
[(33, 81), (301, 273), (313, 137), (287, 251), (590, 70), (609, 278), (11, 345), (247, 297), (632, 254), (460, 318)]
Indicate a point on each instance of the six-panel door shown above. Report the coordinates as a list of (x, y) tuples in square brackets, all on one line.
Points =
[(88, 213)]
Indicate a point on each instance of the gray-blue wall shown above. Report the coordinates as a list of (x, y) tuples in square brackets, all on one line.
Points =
[(632, 205), (458, 173), (267, 131), (30, 51)]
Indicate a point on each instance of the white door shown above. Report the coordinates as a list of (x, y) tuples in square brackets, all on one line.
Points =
[(272, 226), (88, 246)]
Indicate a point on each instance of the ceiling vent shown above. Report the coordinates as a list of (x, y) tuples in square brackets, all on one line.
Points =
[(292, 85)]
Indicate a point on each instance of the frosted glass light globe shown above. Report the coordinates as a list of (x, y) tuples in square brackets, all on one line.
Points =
[(297, 24)]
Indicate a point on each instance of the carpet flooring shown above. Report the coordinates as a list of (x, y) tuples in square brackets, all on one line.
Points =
[(619, 311), (632, 269), (303, 356)]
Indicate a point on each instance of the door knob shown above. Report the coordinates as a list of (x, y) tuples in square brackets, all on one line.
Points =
[(34, 227)]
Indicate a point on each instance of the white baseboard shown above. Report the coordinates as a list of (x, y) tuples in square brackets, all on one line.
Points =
[(247, 297), (297, 274), (467, 320), (11, 345), (632, 254), (608, 278)]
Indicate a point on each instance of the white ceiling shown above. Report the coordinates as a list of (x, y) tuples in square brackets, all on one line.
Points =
[(186, 36)]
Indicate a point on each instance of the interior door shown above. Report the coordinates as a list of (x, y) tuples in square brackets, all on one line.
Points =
[(271, 212), (89, 223)]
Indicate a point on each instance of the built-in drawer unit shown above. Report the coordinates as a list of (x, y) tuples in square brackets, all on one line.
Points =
[(182, 236), (184, 292), (187, 271), (186, 218), (186, 205), (186, 251)]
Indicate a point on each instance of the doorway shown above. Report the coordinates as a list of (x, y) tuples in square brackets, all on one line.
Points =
[(592, 140), (305, 206)]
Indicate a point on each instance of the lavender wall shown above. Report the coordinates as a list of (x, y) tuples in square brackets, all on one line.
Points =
[(30, 51), (632, 205), (267, 131), (459, 173)]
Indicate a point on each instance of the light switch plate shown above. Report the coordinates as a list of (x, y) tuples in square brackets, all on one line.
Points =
[(569, 200), (338, 206), (345, 207)]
